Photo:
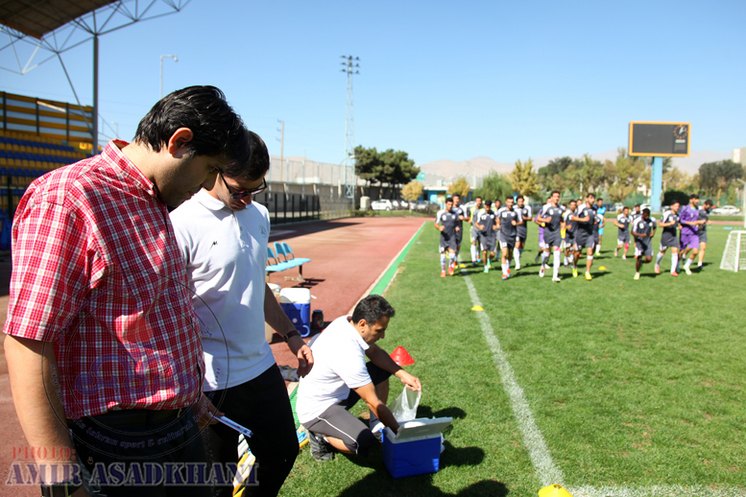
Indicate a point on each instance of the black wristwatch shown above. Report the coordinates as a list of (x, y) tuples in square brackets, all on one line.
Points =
[(290, 334), (64, 489)]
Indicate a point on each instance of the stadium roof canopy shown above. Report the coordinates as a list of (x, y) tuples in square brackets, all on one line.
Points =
[(39, 17), (48, 28)]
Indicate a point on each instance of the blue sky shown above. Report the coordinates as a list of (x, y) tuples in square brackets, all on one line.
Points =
[(439, 79)]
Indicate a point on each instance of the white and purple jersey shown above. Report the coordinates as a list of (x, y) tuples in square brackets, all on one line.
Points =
[(552, 235), (623, 228), (525, 213), (668, 237), (507, 229)]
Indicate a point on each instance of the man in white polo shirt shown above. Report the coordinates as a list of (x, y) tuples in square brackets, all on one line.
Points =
[(340, 377), (223, 237)]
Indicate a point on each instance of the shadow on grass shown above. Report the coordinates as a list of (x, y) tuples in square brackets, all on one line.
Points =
[(381, 484)]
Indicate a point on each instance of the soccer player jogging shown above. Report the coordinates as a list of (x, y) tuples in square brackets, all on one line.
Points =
[(446, 222), (474, 232), (486, 224), (543, 252), (461, 214), (643, 230), (601, 212), (622, 223), (507, 219), (571, 248), (585, 218), (669, 223), (521, 230), (704, 215), (551, 216), (690, 223)]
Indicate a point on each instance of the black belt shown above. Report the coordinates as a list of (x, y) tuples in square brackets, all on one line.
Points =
[(128, 417)]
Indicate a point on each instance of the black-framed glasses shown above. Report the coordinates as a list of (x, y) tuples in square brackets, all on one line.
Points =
[(239, 194)]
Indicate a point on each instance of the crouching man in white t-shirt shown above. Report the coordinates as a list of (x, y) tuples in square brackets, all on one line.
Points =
[(340, 377)]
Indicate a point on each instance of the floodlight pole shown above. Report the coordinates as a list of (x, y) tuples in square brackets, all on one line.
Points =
[(94, 143), (168, 56), (656, 185), (350, 66)]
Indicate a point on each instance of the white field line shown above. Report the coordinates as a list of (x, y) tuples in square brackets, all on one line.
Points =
[(546, 471), (659, 491)]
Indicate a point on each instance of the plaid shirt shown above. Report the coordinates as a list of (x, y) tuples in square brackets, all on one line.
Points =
[(98, 274)]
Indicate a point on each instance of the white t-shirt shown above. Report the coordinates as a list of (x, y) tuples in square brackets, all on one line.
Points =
[(226, 253), (338, 366)]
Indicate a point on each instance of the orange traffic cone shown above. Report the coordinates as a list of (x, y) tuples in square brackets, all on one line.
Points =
[(401, 357)]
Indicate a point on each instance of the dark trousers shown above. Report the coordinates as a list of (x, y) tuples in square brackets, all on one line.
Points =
[(142, 453), (261, 405)]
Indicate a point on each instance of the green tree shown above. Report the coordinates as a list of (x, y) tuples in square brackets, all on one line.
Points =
[(494, 186), (677, 180), (524, 178), (714, 177), (390, 167), (624, 175), (552, 174), (460, 186), (588, 174), (412, 191), (367, 164)]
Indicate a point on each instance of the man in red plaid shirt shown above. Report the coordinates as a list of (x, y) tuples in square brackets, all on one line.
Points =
[(103, 347)]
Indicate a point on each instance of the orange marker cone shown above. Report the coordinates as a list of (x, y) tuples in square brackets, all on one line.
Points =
[(401, 357)]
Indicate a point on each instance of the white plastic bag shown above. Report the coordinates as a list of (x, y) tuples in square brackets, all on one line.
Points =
[(404, 407)]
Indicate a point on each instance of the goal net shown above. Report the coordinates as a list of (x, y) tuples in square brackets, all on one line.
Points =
[(734, 255)]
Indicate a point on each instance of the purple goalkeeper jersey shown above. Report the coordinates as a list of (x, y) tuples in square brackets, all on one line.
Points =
[(688, 214)]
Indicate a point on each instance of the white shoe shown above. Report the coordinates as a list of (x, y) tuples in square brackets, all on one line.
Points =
[(556, 279), (541, 273), (687, 271), (637, 276)]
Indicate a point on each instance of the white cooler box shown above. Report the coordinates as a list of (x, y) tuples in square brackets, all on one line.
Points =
[(296, 303)]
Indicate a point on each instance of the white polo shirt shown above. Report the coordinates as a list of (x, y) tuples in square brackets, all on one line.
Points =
[(338, 366), (226, 253)]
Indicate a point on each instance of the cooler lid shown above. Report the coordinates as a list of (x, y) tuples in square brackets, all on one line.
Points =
[(422, 428)]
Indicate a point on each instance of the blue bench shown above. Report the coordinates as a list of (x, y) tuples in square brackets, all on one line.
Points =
[(283, 258)]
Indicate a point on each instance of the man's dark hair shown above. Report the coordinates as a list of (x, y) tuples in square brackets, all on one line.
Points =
[(519, 197), (646, 211), (257, 164), (555, 191), (693, 195), (372, 308), (217, 129), (708, 202), (449, 199), (478, 198), (509, 197)]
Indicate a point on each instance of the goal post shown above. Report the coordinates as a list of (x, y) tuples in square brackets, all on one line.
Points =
[(734, 255)]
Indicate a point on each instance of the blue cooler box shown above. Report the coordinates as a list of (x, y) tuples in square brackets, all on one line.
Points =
[(415, 450), (296, 304)]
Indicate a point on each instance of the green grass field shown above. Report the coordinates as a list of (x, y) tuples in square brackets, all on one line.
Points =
[(631, 388)]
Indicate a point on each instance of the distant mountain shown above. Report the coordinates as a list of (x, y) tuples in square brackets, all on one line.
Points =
[(444, 172)]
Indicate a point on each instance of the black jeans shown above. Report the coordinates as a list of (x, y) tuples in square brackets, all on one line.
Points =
[(261, 405), (143, 453)]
